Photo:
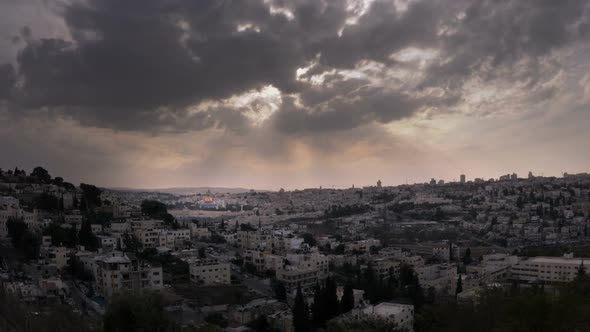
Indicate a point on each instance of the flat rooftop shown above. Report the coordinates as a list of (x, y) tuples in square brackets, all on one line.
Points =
[(559, 260)]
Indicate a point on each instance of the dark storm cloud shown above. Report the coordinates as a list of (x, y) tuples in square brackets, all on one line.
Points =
[(381, 32), (140, 64), (133, 63), (363, 105), (343, 114), (7, 80), (504, 34)]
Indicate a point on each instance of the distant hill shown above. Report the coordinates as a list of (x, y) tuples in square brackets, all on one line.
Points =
[(189, 190)]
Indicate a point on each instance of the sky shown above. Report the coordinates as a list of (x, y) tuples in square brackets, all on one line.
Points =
[(272, 94)]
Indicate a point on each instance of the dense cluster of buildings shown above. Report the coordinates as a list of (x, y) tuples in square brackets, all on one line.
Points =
[(468, 232)]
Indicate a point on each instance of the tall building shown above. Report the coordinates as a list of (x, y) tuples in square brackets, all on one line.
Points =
[(210, 272), (462, 178), (378, 183), (123, 271)]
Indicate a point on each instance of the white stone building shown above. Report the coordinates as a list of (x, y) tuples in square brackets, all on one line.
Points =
[(210, 272), (123, 271), (402, 315)]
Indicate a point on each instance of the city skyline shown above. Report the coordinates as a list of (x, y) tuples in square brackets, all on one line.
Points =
[(460, 179), (293, 94)]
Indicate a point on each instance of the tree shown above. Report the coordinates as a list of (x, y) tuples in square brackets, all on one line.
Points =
[(581, 272), (131, 242), (87, 238), (202, 252), (16, 229), (369, 285), (18, 316), (467, 257), (459, 288), (91, 195), (41, 174), (347, 301), (58, 181), (363, 325), (22, 239), (279, 289), (259, 324), (47, 202), (216, 319), (76, 268), (430, 295), (153, 208), (450, 251), (61, 236), (158, 210), (519, 203), (31, 243), (136, 311), (318, 308), (309, 239), (331, 298), (339, 250), (439, 214), (300, 313)]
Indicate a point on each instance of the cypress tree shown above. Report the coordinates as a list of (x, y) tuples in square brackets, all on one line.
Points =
[(459, 286), (318, 313), (331, 299), (300, 314), (87, 238), (467, 257), (347, 302)]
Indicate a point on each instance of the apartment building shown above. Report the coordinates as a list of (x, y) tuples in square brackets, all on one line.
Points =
[(548, 269), (149, 238), (12, 212), (383, 266), (254, 240), (123, 271), (293, 276), (120, 227), (283, 244), (312, 260), (210, 272), (442, 277), (108, 242), (400, 314), (363, 245), (197, 232), (55, 255), (96, 228), (174, 238), (146, 224), (74, 218)]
